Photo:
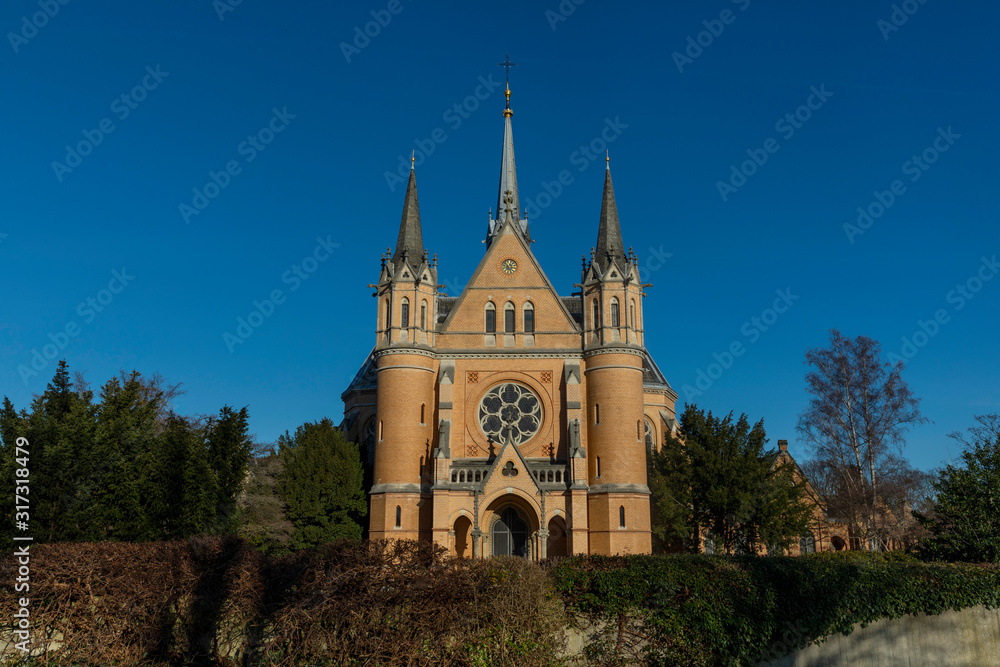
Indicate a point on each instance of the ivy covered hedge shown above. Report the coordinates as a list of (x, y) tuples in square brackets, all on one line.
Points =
[(717, 610)]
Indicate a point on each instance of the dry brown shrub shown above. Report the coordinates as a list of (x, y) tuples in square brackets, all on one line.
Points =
[(216, 601)]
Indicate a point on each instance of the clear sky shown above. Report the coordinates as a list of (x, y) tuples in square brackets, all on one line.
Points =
[(116, 112)]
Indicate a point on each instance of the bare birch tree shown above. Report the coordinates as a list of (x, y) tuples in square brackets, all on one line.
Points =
[(859, 411)]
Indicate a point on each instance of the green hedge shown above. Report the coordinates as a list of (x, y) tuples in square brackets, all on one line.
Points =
[(716, 610)]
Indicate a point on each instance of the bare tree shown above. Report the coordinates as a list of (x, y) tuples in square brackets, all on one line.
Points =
[(855, 422)]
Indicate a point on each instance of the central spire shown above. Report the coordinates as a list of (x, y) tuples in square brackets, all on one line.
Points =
[(508, 170), (508, 202)]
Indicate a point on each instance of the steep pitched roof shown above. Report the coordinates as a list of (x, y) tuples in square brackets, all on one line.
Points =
[(410, 243), (610, 247)]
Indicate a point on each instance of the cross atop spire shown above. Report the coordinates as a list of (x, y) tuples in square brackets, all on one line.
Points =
[(507, 64)]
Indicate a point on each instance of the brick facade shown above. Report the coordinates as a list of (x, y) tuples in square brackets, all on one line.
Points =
[(525, 430)]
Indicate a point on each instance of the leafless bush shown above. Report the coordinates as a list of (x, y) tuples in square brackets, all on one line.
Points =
[(217, 601)]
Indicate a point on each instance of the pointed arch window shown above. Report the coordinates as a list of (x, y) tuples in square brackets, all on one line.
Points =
[(615, 319), (399, 516), (632, 313), (621, 516), (491, 318), (529, 318), (423, 314), (597, 314), (404, 317), (508, 318)]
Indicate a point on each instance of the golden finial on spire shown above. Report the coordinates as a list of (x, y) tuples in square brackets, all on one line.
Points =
[(413, 159), (507, 64), (607, 158)]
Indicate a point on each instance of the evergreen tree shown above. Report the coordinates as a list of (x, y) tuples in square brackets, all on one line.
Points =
[(181, 499), (717, 478), (321, 485), (59, 428), (115, 473), (964, 524), (230, 450)]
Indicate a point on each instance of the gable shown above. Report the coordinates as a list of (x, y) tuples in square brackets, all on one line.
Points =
[(528, 282)]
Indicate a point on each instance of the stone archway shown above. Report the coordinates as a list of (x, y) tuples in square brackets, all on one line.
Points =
[(511, 528)]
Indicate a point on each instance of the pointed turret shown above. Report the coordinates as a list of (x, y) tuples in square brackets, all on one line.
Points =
[(508, 201), (610, 247), (410, 244)]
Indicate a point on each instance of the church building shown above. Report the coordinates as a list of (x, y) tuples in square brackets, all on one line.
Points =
[(509, 419)]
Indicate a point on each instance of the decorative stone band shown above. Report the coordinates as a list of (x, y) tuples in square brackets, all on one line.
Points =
[(399, 488), (416, 368), (424, 352), (601, 368), (616, 349), (511, 354), (618, 488)]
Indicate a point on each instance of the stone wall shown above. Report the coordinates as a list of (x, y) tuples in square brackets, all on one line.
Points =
[(967, 638)]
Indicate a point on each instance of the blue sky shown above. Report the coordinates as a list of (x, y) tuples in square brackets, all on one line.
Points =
[(893, 109)]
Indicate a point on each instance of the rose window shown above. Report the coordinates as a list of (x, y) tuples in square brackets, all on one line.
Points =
[(510, 413)]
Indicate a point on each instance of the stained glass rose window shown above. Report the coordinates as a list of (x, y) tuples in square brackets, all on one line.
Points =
[(510, 413)]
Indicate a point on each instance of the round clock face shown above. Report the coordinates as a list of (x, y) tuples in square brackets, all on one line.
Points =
[(508, 266)]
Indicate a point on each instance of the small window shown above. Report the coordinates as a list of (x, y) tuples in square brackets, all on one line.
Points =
[(388, 317), (615, 319), (632, 313), (422, 408), (598, 466), (399, 516), (404, 318), (638, 429), (491, 318), (621, 516), (807, 544), (508, 318), (423, 314), (597, 314), (529, 319), (597, 413)]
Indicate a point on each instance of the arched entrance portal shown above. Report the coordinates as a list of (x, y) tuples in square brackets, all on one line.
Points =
[(510, 534)]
